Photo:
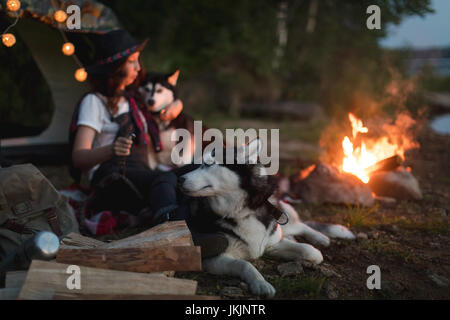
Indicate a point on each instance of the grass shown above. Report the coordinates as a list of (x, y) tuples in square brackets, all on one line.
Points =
[(390, 248), (431, 225), (381, 246), (358, 216), (300, 287), (292, 130), (444, 180)]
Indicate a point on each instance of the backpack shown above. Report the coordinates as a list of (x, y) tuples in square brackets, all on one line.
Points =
[(29, 203)]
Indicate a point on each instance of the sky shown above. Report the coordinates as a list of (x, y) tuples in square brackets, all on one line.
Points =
[(433, 30)]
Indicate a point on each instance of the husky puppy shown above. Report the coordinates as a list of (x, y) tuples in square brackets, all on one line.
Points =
[(236, 200), (157, 91)]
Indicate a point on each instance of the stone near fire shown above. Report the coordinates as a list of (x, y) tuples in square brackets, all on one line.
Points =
[(325, 184), (362, 235), (400, 184)]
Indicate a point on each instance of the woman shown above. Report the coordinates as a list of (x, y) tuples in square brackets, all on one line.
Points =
[(107, 119)]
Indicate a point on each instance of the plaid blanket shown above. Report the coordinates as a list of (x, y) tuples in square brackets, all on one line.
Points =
[(101, 223)]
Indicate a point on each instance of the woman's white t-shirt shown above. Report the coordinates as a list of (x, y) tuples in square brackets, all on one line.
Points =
[(94, 113)]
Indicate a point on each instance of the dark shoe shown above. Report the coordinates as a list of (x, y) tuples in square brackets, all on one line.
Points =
[(174, 214), (211, 244), (164, 217)]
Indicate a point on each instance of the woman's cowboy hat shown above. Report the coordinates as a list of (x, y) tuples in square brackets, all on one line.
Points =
[(111, 49)]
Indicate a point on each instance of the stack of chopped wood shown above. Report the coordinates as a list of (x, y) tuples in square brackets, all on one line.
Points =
[(138, 267)]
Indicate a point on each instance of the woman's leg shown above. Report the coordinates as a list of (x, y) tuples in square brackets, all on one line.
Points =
[(160, 190), (164, 197)]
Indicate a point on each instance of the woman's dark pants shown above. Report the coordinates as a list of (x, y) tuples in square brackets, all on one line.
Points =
[(158, 188)]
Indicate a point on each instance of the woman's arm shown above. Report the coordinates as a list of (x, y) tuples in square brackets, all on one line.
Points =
[(84, 157)]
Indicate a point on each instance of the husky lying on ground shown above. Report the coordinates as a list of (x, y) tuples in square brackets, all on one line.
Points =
[(236, 200)]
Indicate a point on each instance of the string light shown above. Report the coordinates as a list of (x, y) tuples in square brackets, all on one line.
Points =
[(81, 75), (13, 5), (68, 49), (60, 16), (8, 39)]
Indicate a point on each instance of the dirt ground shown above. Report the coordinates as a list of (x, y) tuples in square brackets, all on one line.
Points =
[(409, 241)]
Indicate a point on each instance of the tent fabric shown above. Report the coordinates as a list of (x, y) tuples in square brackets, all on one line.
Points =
[(37, 30), (95, 16), (45, 44)]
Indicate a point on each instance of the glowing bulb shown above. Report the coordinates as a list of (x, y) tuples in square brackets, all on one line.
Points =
[(13, 5), (8, 39), (81, 75), (60, 16), (68, 49)]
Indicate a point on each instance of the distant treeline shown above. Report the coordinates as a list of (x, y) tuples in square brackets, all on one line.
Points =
[(231, 52)]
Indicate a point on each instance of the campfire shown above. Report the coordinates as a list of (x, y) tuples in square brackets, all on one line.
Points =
[(364, 159), (368, 166)]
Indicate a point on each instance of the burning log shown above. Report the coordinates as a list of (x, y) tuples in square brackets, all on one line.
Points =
[(388, 164), (361, 151), (325, 184)]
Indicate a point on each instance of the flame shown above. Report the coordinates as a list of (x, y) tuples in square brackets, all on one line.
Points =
[(357, 125), (305, 172), (358, 158)]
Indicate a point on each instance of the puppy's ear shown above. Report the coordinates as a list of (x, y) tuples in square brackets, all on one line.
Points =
[(254, 147), (174, 78), (208, 157)]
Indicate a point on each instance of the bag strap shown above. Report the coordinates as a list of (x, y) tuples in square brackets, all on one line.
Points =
[(53, 221), (21, 229), (16, 227)]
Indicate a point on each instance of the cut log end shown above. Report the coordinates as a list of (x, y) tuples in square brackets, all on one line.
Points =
[(388, 164)]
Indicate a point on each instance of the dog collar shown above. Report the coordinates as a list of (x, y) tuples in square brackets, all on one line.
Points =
[(278, 214), (157, 113)]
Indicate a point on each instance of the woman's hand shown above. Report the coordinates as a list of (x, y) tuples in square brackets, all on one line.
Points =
[(122, 146), (172, 111)]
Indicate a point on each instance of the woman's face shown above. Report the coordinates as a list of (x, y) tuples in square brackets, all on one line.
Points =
[(131, 68)]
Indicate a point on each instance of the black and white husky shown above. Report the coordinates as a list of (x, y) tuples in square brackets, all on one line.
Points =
[(157, 91), (237, 200)]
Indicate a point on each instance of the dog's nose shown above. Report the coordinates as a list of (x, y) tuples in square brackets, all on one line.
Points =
[(150, 102), (181, 180)]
